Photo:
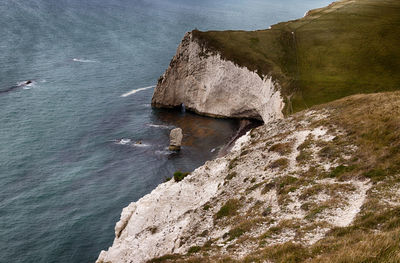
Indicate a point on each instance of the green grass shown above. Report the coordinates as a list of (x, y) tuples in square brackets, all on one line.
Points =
[(179, 176), (228, 209), (194, 249), (280, 163), (281, 148), (371, 123), (341, 169), (230, 176), (347, 48)]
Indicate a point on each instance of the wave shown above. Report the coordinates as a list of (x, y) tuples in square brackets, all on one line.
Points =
[(141, 144), (123, 141), (83, 60), (127, 141), (136, 90), (23, 83), (163, 152), (27, 84), (160, 126)]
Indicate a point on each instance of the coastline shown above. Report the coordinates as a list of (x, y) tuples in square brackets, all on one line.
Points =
[(235, 145), (178, 220), (276, 188)]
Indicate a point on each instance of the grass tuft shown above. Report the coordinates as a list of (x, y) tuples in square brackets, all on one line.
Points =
[(179, 176), (228, 209)]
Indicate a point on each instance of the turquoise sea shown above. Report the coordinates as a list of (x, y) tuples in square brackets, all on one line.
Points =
[(65, 173)]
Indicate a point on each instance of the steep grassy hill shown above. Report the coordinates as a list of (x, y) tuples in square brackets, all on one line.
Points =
[(284, 197), (349, 47)]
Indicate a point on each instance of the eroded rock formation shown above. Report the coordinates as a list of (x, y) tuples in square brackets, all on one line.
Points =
[(175, 139), (209, 85)]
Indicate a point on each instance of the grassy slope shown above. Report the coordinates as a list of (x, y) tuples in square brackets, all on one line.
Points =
[(346, 48), (372, 123)]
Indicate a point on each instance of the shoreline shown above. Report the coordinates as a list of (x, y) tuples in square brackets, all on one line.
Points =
[(281, 183)]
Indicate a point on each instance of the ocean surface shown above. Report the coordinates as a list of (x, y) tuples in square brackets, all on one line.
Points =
[(78, 144)]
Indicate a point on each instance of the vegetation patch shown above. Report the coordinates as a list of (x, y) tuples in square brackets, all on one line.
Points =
[(253, 187), (230, 176), (267, 211), (315, 211), (281, 163), (245, 152), (329, 152), (349, 47), (165, 258), (233, 163), (375, 174), (304, 156), (340, 170), (267, 187), (194, 249), (282, 148), (179, 176), (206, 207), (311, 191), (228, 209)]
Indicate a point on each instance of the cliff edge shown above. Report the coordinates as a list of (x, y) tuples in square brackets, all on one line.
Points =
[(321, 184), (209, 85), (346, 48)]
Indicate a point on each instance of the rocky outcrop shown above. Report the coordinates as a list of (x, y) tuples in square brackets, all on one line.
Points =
[(175, 139), (261, 190), (209, 85)]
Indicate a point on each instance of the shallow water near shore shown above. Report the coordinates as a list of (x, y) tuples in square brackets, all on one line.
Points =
[(82, 141)]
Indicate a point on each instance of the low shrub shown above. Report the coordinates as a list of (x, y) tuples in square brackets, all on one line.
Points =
[(179, 176), (375, 174), (194, 249), (281, 163), (281, 148), (230, 175), (229, 209)]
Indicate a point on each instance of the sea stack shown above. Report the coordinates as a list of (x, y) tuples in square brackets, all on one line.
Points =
[(175, 139)]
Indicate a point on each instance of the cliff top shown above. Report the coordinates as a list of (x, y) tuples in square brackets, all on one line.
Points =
[(347, 48)]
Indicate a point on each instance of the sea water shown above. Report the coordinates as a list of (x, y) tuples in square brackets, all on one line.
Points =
[(81, 141)]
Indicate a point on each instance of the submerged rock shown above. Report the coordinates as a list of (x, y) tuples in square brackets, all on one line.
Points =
[(175, 139)]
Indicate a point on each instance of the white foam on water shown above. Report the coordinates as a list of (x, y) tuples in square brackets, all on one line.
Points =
[(136, 90), (123, 141), (165, 152), (159, 126), (26, 86), (23, 83), (83, 60), (141, 145)]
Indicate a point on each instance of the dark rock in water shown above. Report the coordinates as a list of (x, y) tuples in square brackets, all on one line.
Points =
[(175, 139), (16, 86)]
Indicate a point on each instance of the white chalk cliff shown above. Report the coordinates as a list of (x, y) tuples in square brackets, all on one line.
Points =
[(177, 216), (209, 85)]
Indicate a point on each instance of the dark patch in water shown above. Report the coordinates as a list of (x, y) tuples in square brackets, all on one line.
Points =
[(244, 127)]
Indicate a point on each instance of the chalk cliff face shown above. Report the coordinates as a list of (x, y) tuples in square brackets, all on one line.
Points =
[(231, 203), (209, 85)]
